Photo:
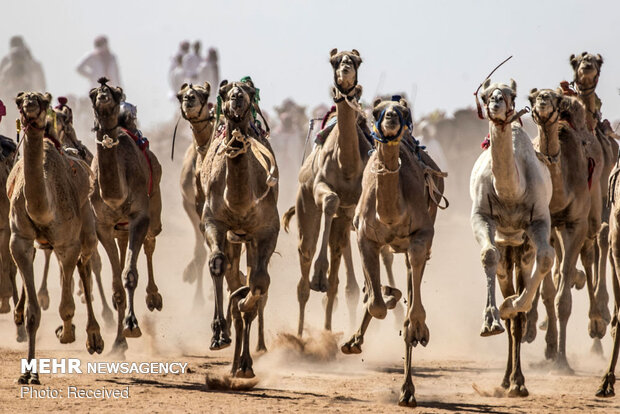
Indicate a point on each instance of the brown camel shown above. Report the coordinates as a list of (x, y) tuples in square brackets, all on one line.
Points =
[(8, 288), (606, 389), (330, 184), (511, 189), (239, 178), (49, 204), (587, 69), (127, 203), (396, 209), (65, 134), (199, 114), (562, 135)]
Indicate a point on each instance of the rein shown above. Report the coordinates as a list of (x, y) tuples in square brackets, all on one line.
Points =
[(478, 107)]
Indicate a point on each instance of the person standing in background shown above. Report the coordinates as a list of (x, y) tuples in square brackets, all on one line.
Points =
[(192, 62), (99, 63), (210, 72)]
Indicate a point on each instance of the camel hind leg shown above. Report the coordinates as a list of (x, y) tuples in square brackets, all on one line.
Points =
[(153, 297), (387, 257), (6, 282), (339, 239), (96, 266), (352, 290)]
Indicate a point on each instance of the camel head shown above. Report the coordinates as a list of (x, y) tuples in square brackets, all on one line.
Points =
[(193, 100), (106, 100), (237, 99), (546, 105), (587, 68), (33, 108), (573, 111), (392, 118), (345, 65), (499, 99)]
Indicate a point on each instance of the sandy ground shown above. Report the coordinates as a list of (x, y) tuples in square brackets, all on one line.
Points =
[(444, 372)]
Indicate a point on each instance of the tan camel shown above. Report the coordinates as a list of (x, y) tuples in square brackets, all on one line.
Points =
[(587, 69), (8, 288), (330, 183), (562, 135), (127, 203), (606, 389), (396, 210), (239, 178), (49, 204), (196, 110), (65, 134), (511, 190)]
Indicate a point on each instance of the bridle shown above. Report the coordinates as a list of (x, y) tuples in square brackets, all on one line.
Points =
[(511, 116), (378, 135)]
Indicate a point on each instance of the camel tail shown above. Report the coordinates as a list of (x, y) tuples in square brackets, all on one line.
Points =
[(286, 218)]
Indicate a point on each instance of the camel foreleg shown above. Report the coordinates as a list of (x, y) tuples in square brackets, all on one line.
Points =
[(329, 201)]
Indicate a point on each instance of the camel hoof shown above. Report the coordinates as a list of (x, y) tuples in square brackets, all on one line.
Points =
[(245, 373), (219, 343), (108, 317), (491, 324), (189, 273), (119, 347), (22, 336), (495, 329), (579, 279), (508, 309), (530, 332), (5, 305), (66, 337), (407, 396), (518, 391), (154, 301), (353, 346), (376, 307), (605, 312), (24, 378), (44, 299), (606, 389), (94, 342), (597, 327), (551, 351), (318, 283), (543, 324), (561, 367), (391, 296), (34, 379), (261, 349), (131, 330)]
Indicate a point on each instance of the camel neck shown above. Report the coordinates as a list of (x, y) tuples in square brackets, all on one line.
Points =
[(549, 145), (203, 132), (388, 200), (112, 185), (589, 102), (35, 188), (348, 151), (238, 193), (506, 178), (549, 138)]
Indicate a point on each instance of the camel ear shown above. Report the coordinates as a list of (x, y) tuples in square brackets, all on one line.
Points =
[(207, 87), (376, 102), (19, 99), (532, 96), (599, 59), (403, 102), (513, 86), (93, 95), (574, 61), (583, 54), (46, 98), (333, 52), (118, 94), (224, 86), (355, 52), (486, 83)]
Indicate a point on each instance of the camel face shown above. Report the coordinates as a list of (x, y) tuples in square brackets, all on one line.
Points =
[(345, 65), (545, 102), (237, 99), (105, 98), (498, 99), (32, 104), (587, 67), (193, 99), (391, 117)]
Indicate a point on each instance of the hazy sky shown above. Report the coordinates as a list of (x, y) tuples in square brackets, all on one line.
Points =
[(442, 49)]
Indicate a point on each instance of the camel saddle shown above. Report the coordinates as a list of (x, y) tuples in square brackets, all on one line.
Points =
[(143, 144)]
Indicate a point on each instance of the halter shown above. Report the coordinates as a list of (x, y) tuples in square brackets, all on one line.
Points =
[(546, 158), (202, 105), (511, 116), (377, 133), (351, 89)]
